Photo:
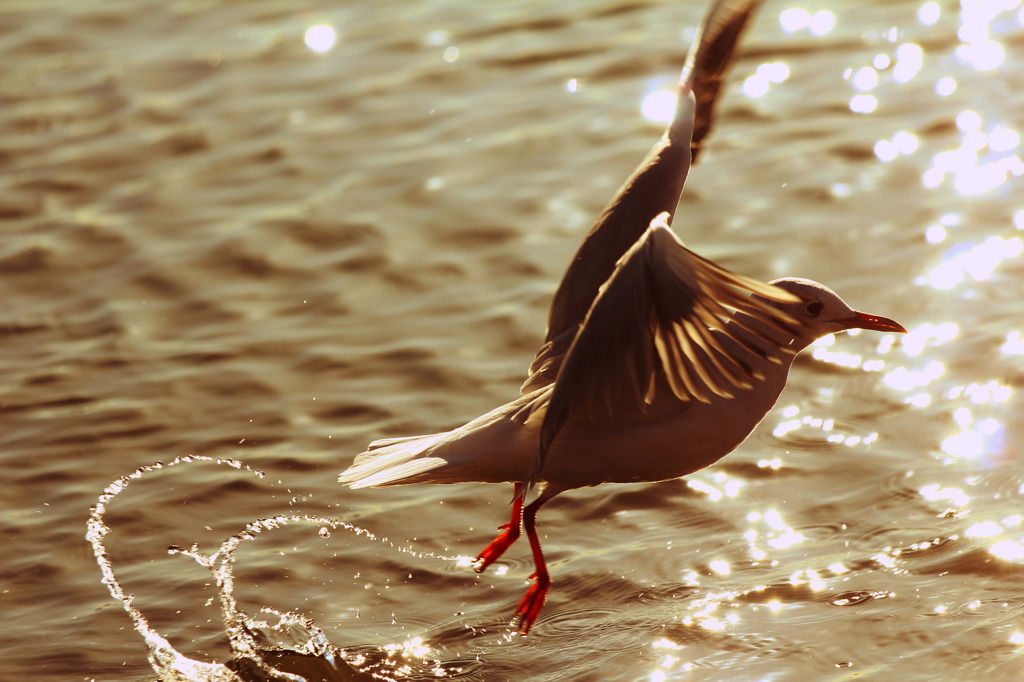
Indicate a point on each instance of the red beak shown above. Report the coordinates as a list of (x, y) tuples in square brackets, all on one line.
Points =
[(873, 322)]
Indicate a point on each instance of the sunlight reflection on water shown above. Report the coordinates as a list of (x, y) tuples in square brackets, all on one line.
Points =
[(320, 38), (967, 154), (977, 262), (659, 105), (764, 77), (969, 171), (798, 19)]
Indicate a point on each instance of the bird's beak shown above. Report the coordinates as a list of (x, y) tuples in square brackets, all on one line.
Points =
[(873, 322)]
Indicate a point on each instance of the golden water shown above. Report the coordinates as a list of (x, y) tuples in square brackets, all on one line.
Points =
[(218, 241)]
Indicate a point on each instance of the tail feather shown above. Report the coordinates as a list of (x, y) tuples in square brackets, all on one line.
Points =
[(389, 460), (374, 449), (472, 452)]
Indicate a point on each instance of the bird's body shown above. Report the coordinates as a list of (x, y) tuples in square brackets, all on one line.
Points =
[(666, 439), (657, 362)]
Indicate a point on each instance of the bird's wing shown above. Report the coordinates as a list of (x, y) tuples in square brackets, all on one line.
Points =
[(656, 183), (665, 313), (709, 60)]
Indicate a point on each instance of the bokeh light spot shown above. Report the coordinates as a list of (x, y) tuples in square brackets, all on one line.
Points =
[(659, 106), (320, 38)]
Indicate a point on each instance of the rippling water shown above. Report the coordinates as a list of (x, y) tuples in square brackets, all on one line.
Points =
[(220, 242)]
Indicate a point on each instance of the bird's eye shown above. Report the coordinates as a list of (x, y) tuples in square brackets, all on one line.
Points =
[(812, 308)]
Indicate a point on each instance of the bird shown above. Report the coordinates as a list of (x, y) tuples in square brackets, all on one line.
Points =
[(657, 362)]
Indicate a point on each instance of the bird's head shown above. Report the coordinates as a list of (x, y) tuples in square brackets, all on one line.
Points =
[(822, 312)]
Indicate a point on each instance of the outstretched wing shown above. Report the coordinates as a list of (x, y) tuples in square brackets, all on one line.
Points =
[(653, 188), (709, 60), (668, 313)]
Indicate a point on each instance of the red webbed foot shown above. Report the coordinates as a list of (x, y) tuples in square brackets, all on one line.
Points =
[(498, 546), (532, 603), (510, 534)]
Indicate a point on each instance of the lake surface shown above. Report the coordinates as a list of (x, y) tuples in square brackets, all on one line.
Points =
[(219, 242)]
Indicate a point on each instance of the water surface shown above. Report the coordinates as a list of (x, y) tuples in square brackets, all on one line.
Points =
[(220, 242)]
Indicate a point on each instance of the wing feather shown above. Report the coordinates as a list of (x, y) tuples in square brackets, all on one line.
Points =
[(709, 60), (654, 186), (687, 337), (737, 370), (708, 365), (665, 313)]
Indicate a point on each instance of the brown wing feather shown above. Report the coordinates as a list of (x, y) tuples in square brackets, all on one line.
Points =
[(654, 317), (654, 186), (709, 60)]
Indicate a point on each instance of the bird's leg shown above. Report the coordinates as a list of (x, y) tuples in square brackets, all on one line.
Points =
[(510, 533), (533, 601)]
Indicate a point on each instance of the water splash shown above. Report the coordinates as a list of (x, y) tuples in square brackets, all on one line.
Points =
[(294, 649), (165, 659)]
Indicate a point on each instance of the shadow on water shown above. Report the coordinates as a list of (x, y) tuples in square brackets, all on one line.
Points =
[(294, 648)]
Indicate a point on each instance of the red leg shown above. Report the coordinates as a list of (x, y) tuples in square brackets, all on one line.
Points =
[(533, 601), (500, 544)]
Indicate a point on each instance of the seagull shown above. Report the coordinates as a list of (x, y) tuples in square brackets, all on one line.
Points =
[(657, 361)]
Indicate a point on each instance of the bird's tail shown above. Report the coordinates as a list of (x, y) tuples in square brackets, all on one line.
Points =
[(389, 461)]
